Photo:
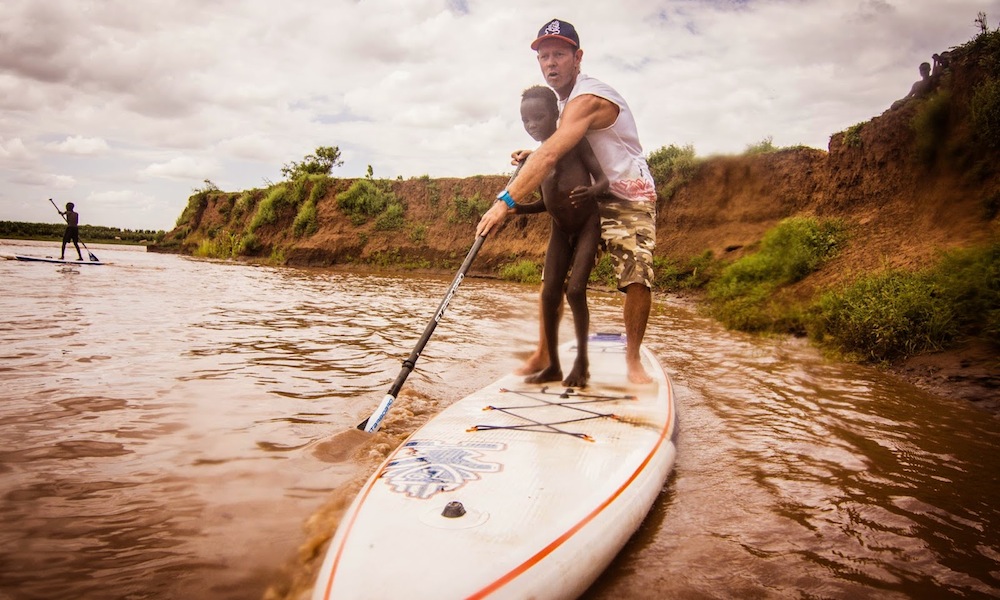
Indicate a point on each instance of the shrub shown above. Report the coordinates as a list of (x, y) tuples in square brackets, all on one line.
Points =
[(671, 166), (243, 204), (306, 222), (694, 273), (789, 252), (391, 219), (895, 314), (884, 316), (852, 136), (465, 210), (418, 234), (226, 244), (195, 207), (321, 163), (984, 112), (764, 146), (970, 280), (523, 271), (367, 198), (930, 124), (270, 206), (796, 247)]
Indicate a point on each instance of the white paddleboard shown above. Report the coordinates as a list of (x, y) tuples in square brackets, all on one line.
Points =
[(61, 261), (516, 491)]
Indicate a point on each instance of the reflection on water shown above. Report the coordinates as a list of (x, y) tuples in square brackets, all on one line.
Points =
[(176, 428)]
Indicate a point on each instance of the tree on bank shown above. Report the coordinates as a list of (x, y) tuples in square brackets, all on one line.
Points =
[(320, 163)]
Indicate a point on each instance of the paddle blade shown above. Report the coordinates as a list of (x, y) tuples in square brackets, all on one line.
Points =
[(372, 423), (92, 257)]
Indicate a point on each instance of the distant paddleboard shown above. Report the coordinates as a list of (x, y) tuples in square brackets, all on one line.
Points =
[(60, 261), (516, 491)]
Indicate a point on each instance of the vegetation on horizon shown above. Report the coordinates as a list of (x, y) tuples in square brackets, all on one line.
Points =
[(18, 230)]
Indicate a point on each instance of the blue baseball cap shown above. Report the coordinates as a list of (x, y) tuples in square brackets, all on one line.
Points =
[(557, 29)]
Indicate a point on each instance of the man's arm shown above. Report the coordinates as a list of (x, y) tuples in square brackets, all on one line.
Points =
[(581, 114), (601, 184)]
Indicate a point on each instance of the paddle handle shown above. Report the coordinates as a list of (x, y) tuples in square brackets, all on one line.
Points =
[(57, 209)]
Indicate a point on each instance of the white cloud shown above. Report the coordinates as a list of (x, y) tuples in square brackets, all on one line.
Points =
[(45, 180), (14, 149), (80, 145), (182, 168)]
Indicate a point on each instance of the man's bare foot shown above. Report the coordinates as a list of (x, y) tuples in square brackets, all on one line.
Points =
[(535, 363), (545, 375), (637, 373)]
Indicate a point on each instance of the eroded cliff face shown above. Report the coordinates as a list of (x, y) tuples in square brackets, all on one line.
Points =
[(910, 182)]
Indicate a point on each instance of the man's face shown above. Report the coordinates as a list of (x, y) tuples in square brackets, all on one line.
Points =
[(559, 62)]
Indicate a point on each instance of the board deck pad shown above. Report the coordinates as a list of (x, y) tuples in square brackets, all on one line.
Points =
[(516, 491)]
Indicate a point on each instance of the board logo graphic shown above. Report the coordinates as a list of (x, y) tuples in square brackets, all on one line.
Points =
[(423, 468)]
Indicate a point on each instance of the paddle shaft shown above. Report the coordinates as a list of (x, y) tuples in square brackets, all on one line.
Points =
[(372, 423), (91, 254)]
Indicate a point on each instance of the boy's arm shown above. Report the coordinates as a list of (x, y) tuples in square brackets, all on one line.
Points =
[(529, 208)]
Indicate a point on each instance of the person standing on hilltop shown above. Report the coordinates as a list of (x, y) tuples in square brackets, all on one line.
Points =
[(919, 88), (595, 110), (72, 233)]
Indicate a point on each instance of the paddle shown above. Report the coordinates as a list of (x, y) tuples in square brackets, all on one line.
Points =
[(92, 257), (372, 423)]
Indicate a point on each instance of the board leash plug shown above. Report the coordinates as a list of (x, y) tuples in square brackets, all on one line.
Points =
[(453, 510)]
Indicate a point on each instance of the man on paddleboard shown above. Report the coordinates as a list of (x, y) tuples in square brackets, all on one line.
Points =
[(594, 110), (72, 233)]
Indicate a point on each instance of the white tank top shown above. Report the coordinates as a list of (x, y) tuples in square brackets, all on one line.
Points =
[(617, 147)]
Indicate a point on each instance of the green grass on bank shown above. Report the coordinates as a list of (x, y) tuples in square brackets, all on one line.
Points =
[(877, 317), (894, 314)]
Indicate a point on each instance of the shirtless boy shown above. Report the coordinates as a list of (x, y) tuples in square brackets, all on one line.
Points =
[(569, 194)]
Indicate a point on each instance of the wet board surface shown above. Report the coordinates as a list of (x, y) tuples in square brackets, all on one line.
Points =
[(516, 491)]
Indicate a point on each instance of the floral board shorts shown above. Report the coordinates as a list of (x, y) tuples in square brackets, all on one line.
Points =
[(628, 235)]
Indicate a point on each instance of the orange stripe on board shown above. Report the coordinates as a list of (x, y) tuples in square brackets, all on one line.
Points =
[(559, 541), (347, 533)]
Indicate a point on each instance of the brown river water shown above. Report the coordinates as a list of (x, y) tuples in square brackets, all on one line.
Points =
[(181, 428)]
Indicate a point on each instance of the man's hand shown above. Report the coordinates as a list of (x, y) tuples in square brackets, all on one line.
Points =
[(494, 216)]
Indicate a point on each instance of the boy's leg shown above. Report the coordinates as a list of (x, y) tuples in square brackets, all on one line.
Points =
[(584, 255), (556, 266)]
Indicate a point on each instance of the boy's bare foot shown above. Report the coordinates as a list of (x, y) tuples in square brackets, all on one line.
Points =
[(577, 378), (535, 363), (637, 373), (545, 375)]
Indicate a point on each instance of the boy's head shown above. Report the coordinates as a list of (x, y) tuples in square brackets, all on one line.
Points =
[(69, 206), (539, 112)]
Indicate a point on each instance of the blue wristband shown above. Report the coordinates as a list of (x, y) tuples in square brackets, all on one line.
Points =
[(505, 196)]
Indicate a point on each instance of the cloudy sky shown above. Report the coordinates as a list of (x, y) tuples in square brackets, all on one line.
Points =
[(126, 106)]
